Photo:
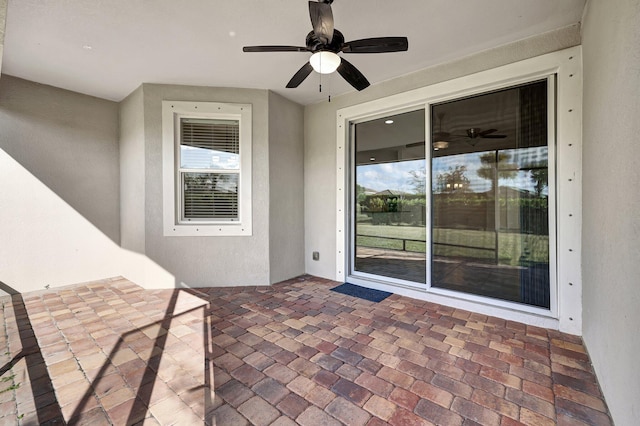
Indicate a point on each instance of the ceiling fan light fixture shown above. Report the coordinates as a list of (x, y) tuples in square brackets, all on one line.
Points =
[(325, 62), (437, 146)]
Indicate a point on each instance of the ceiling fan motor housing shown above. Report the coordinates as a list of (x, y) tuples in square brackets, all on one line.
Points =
[(314, 44)]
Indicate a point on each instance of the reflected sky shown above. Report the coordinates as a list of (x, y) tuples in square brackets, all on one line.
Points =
[(192, 157), (396, 176)]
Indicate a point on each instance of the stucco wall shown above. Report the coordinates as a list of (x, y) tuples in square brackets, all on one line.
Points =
[(286, 188), (132, 172), (68, 141), (59, 219), (3, 21), (207, 261), (611, 228), (60, 222), (320, 134)]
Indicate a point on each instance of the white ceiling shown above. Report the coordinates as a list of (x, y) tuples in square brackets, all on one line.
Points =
[(107, 48)]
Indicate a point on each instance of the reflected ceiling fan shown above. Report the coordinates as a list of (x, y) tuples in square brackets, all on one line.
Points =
[(475, 133), (441, 139), (325, 42)]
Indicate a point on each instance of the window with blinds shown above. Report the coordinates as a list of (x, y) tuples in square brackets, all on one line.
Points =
[(206, 169), (209, 171)]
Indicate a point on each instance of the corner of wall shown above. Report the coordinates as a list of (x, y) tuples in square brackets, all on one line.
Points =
[(132, 171), (286, 188), (611, 258), (3, 21)]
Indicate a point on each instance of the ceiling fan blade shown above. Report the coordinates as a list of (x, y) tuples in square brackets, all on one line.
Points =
[(414, 144), (300, 76), (377, 45), (274, 49), (352, 75), (322, 21), (488, 132)]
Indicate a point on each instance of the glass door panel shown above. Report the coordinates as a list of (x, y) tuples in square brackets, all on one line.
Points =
[(489, 195), (389, 198)]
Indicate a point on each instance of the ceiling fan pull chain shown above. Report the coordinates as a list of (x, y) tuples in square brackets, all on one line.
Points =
[(320, 74)]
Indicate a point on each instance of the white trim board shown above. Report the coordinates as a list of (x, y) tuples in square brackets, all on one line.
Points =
[(566, 66)]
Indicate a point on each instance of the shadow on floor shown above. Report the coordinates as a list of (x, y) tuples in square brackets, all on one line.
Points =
[(46, 405), (37, 395)]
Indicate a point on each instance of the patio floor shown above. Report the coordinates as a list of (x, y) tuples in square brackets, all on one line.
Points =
[(109, 352)]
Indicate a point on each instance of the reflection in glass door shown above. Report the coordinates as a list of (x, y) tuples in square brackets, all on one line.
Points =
[(490, 195), (388, 226)]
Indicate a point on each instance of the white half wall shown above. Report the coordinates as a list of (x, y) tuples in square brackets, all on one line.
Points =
[(611, 228)]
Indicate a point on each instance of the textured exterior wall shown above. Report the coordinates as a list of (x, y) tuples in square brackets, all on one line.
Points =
[(286, 188), (68, 141), (207, 261), (59, 219), (132, 172), (611, 229), (3, 21)]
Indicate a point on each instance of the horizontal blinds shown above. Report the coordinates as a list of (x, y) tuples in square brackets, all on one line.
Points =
[(214, 135), (210, 196)]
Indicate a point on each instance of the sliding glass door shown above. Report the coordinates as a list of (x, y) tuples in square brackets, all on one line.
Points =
[(490, 195), (388, 198), (473, 218)]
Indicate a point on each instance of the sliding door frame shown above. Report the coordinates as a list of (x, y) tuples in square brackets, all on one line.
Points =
[(551, 167), (564, 165), (359, 277)]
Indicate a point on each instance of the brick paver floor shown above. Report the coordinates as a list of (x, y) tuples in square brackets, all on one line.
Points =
[(109, 352)]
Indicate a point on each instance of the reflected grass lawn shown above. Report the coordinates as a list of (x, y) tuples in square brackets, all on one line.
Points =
[(466, 243)]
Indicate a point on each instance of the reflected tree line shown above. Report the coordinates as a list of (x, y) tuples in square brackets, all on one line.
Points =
[(454, 198), (503, 206), (210, 195)]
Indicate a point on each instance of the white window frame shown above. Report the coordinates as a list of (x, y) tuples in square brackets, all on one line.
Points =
[(172, 113), (566, 67)]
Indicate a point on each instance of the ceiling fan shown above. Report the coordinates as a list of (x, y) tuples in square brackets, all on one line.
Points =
[(476, 132), (471, 133), (325, 42)]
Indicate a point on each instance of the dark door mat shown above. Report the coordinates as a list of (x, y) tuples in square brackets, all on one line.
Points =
[(362, 292)]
